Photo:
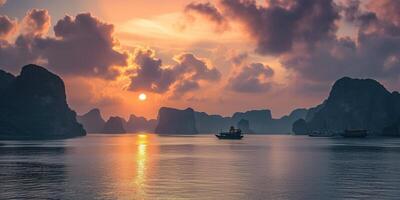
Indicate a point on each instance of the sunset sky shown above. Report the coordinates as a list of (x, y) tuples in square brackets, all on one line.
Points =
[(217, 56)]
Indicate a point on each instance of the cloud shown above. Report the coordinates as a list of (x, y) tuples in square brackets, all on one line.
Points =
[(84, 46), (185, 86), (238, 59), (304, 36), (36, 22), (386, 10), (194, 68), (7, 26), (374, 53), (279, 26), (251, 78), (21, 52), (2, 2), (182, 77), (150, 76), (210, 12)]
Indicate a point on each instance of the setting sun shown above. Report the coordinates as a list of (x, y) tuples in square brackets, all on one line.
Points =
[(142, 97)]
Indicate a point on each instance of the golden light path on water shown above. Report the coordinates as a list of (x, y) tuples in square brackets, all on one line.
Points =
[(141, 161)]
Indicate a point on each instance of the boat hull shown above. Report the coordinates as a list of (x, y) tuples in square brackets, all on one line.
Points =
[(229, 137)]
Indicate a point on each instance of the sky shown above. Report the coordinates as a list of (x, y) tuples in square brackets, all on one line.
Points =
[(219, 56)]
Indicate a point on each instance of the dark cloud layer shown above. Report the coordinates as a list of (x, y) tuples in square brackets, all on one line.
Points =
[(182, 77), (195, 68), (14, 55), (375, 52), (251, 78), (280, 25), (210, 12), (83, 46), (304, 36), (7, 26), (23, 50), (150, 76)]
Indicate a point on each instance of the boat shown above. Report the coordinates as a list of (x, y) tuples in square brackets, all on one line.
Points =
[(355, 133), (321, 134), (233, 134)]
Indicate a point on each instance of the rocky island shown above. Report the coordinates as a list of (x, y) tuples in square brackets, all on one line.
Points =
[(33, 105), (114, 125), (175, 121), (355, 104), (92, 121)]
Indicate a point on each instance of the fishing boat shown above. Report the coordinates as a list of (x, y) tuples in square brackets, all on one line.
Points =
[(321, 134), (233, 134)]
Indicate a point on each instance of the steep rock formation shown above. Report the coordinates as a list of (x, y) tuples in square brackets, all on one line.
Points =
[(5, 80), (211, 123), (356, 104), (244, 125), (114, 125), (33, 106), (139, 124), (284, 124), (92, 121), (259, 119), (174, 121), (300, 127)]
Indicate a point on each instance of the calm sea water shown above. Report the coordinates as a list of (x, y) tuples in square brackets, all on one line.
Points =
[(147, 166)]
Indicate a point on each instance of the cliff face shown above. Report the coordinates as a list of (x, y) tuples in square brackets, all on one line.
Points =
[(92, 121), (114, 125), (300, 127), (138, 124), (5, 80), (211, 123), (284, 124), (174, 121), (33, 106), (356, 104), (259, 119), (244, 125)]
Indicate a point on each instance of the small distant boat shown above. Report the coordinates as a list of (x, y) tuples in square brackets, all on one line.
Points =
[(321, 134), (356, 133), (233, 134)]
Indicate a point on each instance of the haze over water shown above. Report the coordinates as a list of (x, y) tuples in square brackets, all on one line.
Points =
[(148, 166)]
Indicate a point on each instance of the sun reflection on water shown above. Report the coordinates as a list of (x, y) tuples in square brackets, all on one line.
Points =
[(141, 163)]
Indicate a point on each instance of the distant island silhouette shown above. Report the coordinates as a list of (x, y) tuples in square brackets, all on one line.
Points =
[(34, 106), (93, 122), (189, 121)]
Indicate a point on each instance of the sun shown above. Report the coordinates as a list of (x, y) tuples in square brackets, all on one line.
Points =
[(142, 97)]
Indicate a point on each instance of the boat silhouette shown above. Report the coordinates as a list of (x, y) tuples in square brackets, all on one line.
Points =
[(233, 134)]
